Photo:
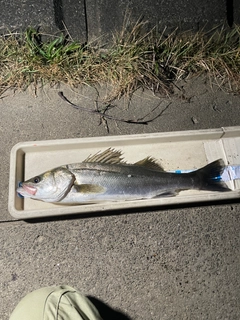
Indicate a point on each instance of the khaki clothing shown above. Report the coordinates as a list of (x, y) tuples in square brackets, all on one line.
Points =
[(55, 303)]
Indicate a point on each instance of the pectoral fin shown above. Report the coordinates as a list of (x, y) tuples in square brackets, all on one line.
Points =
[(89, 188)]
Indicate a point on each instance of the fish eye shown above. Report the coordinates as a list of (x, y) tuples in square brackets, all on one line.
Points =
[(36, 179)]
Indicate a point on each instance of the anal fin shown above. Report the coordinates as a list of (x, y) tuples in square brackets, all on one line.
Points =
[(166, 194)]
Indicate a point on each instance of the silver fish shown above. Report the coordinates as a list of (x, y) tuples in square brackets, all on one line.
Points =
[(106, 177)]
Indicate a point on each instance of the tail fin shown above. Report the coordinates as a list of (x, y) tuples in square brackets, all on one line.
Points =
[(209, 176)]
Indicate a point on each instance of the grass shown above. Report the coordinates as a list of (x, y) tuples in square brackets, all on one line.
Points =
[(135, 58)]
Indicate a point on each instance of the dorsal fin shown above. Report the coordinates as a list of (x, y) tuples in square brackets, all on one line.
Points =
[(149, 163), (110, 156)]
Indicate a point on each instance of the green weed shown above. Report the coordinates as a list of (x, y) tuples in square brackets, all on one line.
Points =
[(134, 58)]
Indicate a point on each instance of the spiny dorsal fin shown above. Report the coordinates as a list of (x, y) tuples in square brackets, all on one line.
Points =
[(110, 156), (89, 188), (149, 163)]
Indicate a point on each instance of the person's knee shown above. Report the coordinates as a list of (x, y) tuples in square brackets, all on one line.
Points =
[(64, 301)]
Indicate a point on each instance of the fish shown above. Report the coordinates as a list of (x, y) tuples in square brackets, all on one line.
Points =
[(105, 176)]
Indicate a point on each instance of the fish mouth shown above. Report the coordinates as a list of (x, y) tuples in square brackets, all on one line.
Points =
[(29, 189)]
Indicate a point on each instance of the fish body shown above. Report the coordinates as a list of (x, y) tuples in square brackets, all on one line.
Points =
[(106, 177)]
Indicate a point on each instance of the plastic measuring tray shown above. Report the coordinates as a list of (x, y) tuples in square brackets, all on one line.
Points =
[(174, 150)]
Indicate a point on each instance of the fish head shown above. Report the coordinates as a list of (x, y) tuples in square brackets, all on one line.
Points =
[(51, 186)]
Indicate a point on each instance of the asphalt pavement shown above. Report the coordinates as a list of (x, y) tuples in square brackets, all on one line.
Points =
[(167, 263)]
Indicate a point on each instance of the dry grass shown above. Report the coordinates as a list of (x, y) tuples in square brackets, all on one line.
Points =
[(135, 58)]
